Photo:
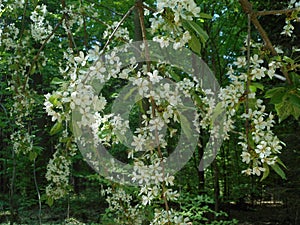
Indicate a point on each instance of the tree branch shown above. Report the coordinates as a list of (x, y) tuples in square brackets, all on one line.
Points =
[(276, 12), (247, 7)]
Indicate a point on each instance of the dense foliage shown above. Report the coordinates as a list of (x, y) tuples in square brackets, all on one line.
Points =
[(68, 74)]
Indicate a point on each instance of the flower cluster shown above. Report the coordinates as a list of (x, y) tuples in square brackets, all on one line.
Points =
[(288, 29), (121, 34), (22, 141), (40, 28), (58, 169), (163, 217), (261, 146), (120, 204), (264, 145), (169, 18)]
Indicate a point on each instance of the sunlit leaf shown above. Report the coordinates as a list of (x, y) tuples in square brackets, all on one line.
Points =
[(266, 172), (56, 128)]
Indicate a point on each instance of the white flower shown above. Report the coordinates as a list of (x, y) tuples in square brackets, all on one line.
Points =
[(156, 124), (94, 54), (138, 142), (246, 157), (255, 60), (81, 59), (146, 199), (163, 42), (258, 73), (154, 77), (288, 29), (241, 62), (169, 180), (142, 85), (257, 170), (247, 171), (97, 70), (263, 150)]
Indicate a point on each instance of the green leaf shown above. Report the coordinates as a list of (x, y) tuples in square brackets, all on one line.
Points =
[(56, 128), (295, 79), (254, 86), (32, 155), (295, 99), (54, 99), (272, 91), (33, 69), (202, 34), (195, 44), (197, 100), (127, 96), (205, 16), (279, 171), (286, 109), (288, 60), (174, 75), (280, 162), (185, 125), (56, 81), (217, 111), (276, 94), (266, 173), (50, 201)]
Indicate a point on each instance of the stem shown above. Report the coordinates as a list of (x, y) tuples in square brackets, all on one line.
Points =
[(38, 192), (12, 189)]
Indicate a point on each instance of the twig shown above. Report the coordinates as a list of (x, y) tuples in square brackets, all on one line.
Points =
[(72, 43), (117, 27), (276, 12), (149, 8)]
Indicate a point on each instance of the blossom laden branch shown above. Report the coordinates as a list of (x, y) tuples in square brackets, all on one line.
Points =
[(247, 7), (41, 49)]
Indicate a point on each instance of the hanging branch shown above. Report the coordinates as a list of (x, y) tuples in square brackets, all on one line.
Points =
[(247, 126), (247, 7), (40, 50)]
